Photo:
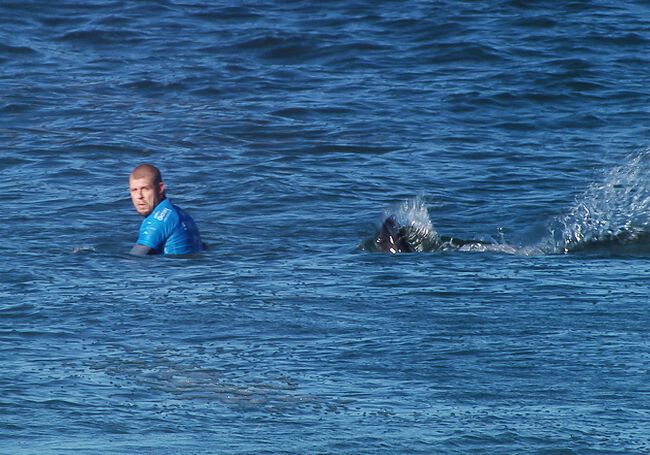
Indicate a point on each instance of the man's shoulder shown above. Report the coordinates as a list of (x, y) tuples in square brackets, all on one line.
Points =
[(181, 212), (165, 212)]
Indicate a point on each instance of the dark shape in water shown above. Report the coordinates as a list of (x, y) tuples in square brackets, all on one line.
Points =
[(624, 242), (393, 238)]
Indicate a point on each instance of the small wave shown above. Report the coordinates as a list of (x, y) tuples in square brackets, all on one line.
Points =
[(617, 40), (16, 108), (614, 211), (208, 92), (230, 13), (16, 50), (466, 52), (536, 22), (152, 86), (102, 37), (83, 249), (277, 46)]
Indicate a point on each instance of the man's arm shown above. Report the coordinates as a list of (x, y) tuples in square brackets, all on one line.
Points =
[(140, 250)]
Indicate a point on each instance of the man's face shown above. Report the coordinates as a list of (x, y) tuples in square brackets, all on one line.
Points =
[(145, 194)]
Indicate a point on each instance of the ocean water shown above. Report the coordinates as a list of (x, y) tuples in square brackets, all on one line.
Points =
[(289, 130)]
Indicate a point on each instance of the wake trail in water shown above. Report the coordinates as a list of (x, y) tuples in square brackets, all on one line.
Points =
[(611, 216), (416, 228), (610, 213)]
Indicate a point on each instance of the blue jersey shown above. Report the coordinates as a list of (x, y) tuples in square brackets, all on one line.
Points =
[(170, 230)]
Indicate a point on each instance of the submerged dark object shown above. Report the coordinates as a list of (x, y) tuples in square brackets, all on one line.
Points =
[(623, 242), (392, 238)]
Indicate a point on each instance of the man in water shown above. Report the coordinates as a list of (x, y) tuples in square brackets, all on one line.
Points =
[(166, 228)]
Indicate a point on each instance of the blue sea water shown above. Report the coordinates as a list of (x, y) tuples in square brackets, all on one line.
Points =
[(288, 130)]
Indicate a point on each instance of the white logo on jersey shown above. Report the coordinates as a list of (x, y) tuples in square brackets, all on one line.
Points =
[(162, 215)]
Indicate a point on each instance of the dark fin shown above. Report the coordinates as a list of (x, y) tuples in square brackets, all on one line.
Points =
[(391, 238)]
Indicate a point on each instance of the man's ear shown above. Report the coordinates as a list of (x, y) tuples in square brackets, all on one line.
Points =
[(161, 188)]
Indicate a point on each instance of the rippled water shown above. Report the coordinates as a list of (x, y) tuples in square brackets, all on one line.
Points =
[(288, 130)]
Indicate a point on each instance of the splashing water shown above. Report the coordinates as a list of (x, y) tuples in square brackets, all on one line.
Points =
[(615, 210), (413, 214), (612, 214)]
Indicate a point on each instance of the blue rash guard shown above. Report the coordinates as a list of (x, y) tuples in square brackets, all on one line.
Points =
[(169, 229)]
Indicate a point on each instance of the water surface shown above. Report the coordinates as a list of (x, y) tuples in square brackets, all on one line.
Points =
[(287, 130)]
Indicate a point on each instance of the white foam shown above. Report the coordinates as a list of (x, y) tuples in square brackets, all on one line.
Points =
[(618, 205)]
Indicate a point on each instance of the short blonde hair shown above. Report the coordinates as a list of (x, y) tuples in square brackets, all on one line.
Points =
[(147, 170)]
